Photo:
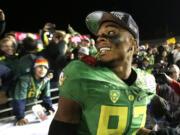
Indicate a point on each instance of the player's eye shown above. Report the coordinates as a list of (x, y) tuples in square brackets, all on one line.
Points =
[(111, 33)]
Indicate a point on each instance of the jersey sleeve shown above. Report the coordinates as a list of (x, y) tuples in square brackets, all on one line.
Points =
[(72, 86), (146, 82), (151, 85), (71, 89)]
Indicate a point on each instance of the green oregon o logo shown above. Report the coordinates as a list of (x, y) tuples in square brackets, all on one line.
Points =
[(131, 98), (114, 95)]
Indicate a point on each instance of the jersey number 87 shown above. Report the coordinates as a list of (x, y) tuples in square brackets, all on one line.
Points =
[(107, 112)]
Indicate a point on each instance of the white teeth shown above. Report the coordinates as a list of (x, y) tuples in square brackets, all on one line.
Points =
[(104, 49)]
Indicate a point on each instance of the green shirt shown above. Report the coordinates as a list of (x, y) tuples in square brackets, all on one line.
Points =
[(25, 90), (109, 106), (93, 51)]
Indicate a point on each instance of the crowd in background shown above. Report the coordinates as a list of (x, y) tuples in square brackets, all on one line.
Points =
[(59, 47), (30, 67)]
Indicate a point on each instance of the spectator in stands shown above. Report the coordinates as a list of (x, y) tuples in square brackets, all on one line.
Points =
[(145, 64), (85, 42), (176, 54), (92, 47), (172, 79), (46, 34), (83, 51), (150, 56), (146, 46), (28, 56), (176, 72), (5, 76), (72, 53), (55, 54), (12, 37), (154, 51), (8, 56), (166, 45), (170, 94), (7, 47), (157, 110), (2, 22), (161, 57), (58, 35), (30, 88)]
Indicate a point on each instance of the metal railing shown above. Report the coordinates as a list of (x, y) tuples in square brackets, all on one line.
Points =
[(9, 109)]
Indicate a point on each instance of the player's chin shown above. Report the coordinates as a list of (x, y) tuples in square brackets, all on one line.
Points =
[(42, 75), (105, 58), (105, 62)]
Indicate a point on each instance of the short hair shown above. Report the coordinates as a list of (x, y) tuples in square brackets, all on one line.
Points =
[(9, 34), (59, 34), (29, 44), (174, 66)]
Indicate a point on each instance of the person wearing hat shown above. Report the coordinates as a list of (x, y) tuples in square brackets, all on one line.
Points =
[(83, 51), (30, 88), (55, 54), (46, 34), (85, 42), (110, 98)]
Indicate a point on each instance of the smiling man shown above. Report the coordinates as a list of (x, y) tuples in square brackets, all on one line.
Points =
[(110, 98)]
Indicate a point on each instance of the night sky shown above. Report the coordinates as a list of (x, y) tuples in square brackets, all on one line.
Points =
[(155, 18)]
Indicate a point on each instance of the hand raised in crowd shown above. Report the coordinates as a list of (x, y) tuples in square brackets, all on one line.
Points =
[(69, 27), (2, 15), (66, 37), (21, 122)]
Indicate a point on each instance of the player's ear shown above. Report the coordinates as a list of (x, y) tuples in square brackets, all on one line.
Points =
[(134, 43)]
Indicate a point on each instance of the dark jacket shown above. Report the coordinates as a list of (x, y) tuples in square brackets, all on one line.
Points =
[(56, 57), (6, 77)]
